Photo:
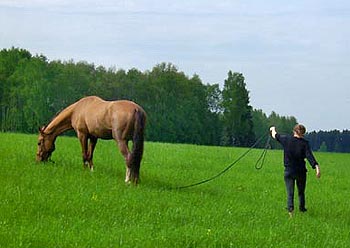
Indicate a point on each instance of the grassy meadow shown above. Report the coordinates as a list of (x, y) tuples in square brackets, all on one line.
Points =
[(63, 205)]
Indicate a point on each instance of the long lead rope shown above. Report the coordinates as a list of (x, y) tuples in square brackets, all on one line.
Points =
[(261, 159), (260, 162)]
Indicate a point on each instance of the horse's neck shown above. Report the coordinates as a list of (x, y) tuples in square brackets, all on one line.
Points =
[(61, 123)]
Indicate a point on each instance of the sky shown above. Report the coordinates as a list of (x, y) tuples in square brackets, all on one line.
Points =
[(294, 55)]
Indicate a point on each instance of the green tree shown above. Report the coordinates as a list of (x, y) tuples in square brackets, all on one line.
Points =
[(214, 98), (323, 147), (214, 122), (10, 59), (180, 108), (260, 124), (30, 94), (237, 115), (177, 107)]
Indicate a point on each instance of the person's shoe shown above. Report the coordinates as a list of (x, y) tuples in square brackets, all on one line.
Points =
[(302, 209), (290, 209), (290, 213)]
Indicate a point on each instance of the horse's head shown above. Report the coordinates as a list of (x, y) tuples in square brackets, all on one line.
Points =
[(46, 146)]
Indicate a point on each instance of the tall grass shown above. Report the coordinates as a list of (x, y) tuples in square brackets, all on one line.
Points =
[(63, 205)]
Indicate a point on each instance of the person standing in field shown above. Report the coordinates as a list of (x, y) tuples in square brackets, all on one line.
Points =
[(296, 149)]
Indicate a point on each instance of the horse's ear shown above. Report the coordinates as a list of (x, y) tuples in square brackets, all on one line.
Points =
[(41, 129)]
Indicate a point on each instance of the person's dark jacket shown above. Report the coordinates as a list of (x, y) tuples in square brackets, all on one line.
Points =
[(295, 152)]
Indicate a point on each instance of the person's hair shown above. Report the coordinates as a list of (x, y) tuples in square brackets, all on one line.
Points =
[(299, 130)]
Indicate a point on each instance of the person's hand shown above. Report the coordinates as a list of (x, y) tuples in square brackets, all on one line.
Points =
[(318, 171), (273, 131)]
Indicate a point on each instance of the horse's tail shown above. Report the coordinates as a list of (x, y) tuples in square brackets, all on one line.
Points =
[(138, 143)]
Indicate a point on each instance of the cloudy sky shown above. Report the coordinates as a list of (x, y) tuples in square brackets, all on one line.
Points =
[(295, 55)]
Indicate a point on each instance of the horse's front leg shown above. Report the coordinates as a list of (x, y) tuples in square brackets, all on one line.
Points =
[(124, 149), (92, 145), (84, 147)]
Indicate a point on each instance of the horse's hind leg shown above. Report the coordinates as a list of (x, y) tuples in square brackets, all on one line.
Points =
[(124, 149), (92, 145)]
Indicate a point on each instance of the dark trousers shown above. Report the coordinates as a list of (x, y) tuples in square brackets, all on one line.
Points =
[(290, 179)]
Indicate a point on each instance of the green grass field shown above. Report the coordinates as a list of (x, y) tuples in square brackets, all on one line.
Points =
[(62, 205)]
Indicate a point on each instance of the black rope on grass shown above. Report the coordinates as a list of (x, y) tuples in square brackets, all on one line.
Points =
[(257, 166)]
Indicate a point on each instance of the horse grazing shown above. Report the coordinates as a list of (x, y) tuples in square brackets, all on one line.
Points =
[(93, 118)]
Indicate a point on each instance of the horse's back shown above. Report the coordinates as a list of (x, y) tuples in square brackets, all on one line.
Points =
[(125, 107), (96, 103), (101, 118), (89, 101)]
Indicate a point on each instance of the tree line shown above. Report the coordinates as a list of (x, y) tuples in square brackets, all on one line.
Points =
[(330, 141), (180, 109)]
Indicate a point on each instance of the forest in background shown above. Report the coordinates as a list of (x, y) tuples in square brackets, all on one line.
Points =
[(180, 109)]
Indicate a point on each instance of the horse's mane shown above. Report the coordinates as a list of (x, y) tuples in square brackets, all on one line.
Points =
[(58, 113), (52, 118)]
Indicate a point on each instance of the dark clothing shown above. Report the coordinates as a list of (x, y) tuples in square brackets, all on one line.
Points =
[(290, 181), (295, 152)]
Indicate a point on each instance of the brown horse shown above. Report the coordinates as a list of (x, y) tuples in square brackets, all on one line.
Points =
[(93, 118)]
